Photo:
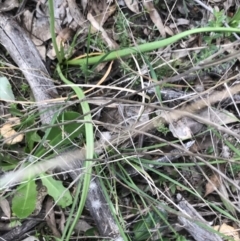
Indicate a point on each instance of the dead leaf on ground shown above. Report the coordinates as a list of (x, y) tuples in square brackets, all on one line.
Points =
[(9, 134), (213, 184), (62, 221), (228, 231), (227, 4), (42, 193), (185, 127), (66, 12), (8, 5), (203, 143), (39, 29), (50, 218), (155, 17), (4, 204), (82, 226), (84, 4), (60, 8), (179, 22), (77, 14), (111, 43), (102, 11), (31, 238), (63, 39), (124, 115), (132, 5), (168, 30)]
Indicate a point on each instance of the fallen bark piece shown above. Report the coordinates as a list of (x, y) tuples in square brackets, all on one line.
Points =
[(191, 224), (25, 55), (18, 232)]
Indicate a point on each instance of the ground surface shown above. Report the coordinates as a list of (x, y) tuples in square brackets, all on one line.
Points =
[(170, 167)]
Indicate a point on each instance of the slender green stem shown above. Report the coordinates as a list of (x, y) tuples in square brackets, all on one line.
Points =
[(89, 149), (147, 46), (52, 30)]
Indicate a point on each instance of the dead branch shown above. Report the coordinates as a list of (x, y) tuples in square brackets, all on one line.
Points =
[(192, 224)]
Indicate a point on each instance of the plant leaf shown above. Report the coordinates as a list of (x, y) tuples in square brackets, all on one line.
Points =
[(57, 191), (67, 132), (142, 228), (6, 92), (24, 200)]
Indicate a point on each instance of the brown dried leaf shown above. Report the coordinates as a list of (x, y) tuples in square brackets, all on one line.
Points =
[(179, 22), (102, 11), (38, 27), (76, 14), (62, 221), (111, 43), (31, 238), (82, 226), (228, 231), (62, 40), (169, 31), (60, 8), (185, 127), (42, 11), (155, 17), (8, 5), (227, 4), (42, 193), (84, 4), (124, 115), (4, 204), (132, 5), (50, 218), (180, 129), (213, 184), (9, 134)]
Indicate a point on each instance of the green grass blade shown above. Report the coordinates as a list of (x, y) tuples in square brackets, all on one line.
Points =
[(89, 148), (147, 46), (52, 30)]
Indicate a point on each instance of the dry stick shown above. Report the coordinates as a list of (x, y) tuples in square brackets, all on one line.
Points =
[(191, 224), (198, 105), (18, 232), (25, 55)]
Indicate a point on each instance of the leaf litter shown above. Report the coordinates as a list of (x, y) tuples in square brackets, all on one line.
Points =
[(115, 24)]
